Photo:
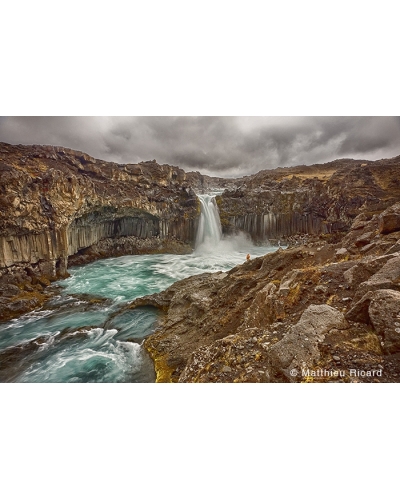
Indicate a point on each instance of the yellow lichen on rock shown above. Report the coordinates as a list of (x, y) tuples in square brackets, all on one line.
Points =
[(161, 367)]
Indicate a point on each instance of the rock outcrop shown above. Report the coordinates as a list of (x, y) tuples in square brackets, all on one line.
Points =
[(381, 308)]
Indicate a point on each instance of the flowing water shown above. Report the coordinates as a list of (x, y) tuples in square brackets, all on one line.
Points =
[(83, 334)]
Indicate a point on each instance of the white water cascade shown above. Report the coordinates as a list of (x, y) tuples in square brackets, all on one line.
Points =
[(209, 232)]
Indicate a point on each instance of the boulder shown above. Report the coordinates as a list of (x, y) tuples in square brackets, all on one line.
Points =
[(299, 348), (381, 308), (341, 252), (388, 223), (322, 318), (359, 311), (368, 247), (364, 239), (388, 277), (364, 269), (289, 281), (394, 248), (359, 222), (384, 314)]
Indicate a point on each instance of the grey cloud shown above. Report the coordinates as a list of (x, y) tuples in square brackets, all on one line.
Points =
[(227, 146), (370, 135)]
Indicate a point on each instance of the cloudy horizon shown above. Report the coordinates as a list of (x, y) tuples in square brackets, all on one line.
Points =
[(219, 146)]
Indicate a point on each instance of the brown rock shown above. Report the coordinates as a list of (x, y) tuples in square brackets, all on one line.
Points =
[(359, 311), (388, 277), (384, 313), (359, 222), (364, 239), (341, 252), (364, 269), (9, 290), (394, 248), (388, 223), (300, 347)]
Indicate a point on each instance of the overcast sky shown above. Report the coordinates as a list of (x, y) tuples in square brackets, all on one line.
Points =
[(225, 146)]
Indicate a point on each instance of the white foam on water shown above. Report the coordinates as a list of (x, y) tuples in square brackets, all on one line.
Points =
[(100, 358), (50, 341), (98, 336), (27, 318)]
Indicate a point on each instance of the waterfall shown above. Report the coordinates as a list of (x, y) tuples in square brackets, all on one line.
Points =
[(209, 232)]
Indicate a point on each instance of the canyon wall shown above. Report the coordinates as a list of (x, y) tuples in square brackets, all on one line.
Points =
[(56, 203), (314, 200)]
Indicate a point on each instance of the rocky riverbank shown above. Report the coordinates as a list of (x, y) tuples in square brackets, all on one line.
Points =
[(313, 313)]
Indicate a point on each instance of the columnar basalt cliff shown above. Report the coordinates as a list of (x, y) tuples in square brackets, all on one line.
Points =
[(60, 206), (318, 199)]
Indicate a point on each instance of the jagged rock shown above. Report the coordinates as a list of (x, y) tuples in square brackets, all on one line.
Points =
[(388, 277), (364, 239), (381, 308), (393, 248), (359, 311), (19, 306), (384, 313), (367, 248), (364, 269), (390, 222), (264, 308), (359, 222), (288, 282), (299, 348), (341, 252)]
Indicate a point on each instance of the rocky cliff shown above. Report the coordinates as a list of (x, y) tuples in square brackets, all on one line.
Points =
[(316, 199), (60, 206)]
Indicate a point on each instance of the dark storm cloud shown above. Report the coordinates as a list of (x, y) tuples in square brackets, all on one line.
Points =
[(227, 146)]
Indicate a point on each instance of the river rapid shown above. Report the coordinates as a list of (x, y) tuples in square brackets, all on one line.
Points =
[(80, 335)]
